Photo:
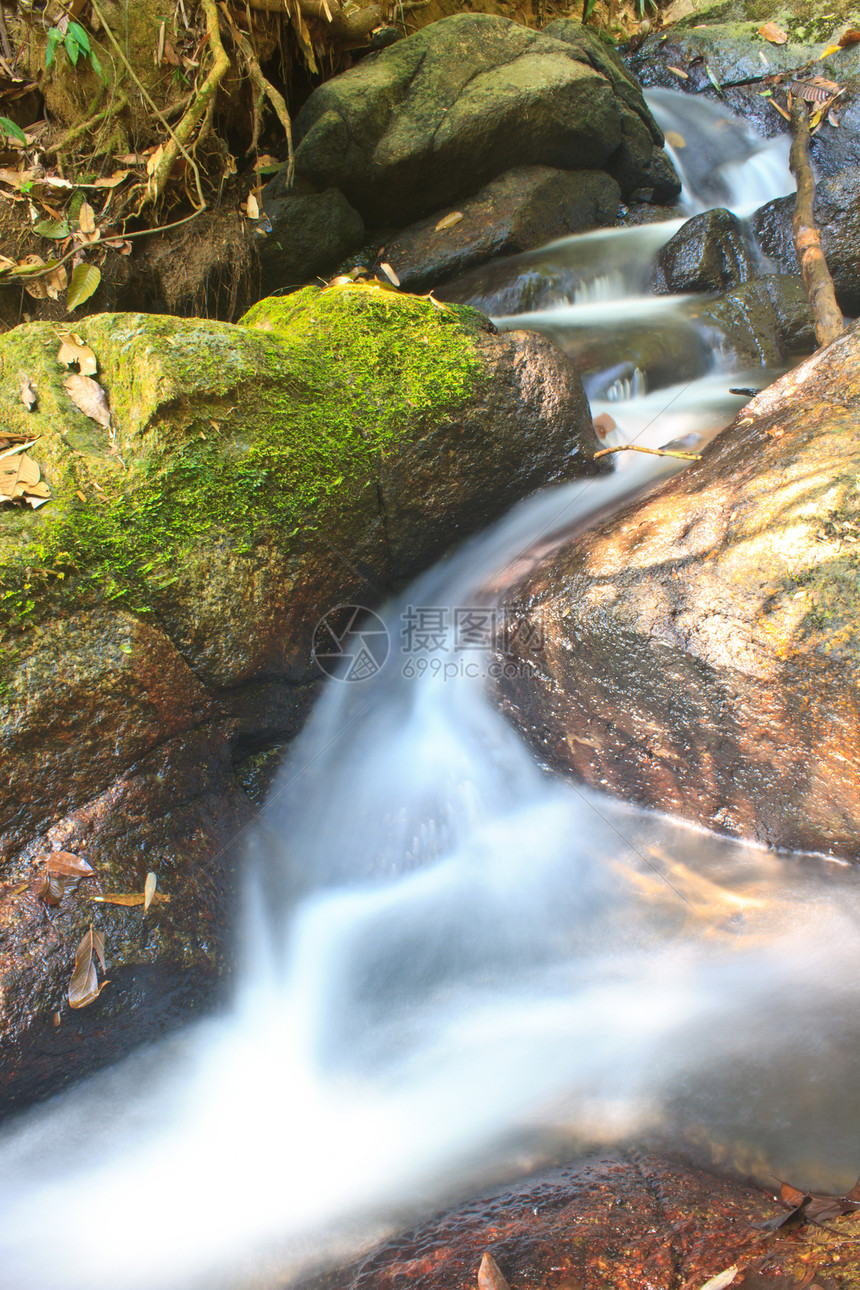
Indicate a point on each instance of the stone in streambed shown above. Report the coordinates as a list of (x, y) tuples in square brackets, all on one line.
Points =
[(431, 119), (522, 209), (157, 613), (700, 651), (766, 322), (708, 253), (310, 234)]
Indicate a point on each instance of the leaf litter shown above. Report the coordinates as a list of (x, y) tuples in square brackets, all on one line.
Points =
[(84, 985)]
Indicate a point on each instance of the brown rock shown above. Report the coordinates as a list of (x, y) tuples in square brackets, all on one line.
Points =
[(700, 651)]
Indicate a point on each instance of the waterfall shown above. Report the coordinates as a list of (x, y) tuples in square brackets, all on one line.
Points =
[(454, 963)]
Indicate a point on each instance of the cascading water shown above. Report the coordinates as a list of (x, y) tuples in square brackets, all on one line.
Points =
[(454, 962)]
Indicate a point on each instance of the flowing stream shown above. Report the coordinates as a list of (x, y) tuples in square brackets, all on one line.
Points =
[(455, 963)]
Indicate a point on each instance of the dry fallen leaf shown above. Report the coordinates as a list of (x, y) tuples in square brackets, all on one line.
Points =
[(149, 890), (722, 1279), (851, 37), (449, 221), (56, 281), (675, 139), (89, 397), (86, 218), (774, 34), (74, 350), (68, 865), (679, 71), (29, 394), (84, 986), (129, 898), (604, 424), (35, 287), (390, 274), (490, 1275), (252, 207)]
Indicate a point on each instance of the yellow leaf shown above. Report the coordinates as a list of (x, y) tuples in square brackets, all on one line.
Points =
[(389, 273), (85, 280), (675, 139), (128, 898), (679, 71), (449, 221), (252, 207)]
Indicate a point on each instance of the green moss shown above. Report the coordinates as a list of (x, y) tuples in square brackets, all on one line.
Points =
[(224, 437)]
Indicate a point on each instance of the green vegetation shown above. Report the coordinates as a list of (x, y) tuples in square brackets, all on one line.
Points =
[(223, 439)]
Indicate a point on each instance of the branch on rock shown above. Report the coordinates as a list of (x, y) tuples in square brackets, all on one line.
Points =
[(826, 313), (652, 452)]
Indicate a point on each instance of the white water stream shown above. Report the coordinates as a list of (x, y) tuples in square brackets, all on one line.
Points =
[(454, 963)]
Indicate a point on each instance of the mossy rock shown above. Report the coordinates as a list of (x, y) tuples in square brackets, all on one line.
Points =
[(156, 614)]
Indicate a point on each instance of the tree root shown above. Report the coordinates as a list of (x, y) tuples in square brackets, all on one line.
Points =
[(826, 313), (114, 108), (197, 110), (348, 28), (264, 89)]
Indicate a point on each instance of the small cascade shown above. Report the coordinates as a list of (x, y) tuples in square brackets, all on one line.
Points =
[(453, 964)]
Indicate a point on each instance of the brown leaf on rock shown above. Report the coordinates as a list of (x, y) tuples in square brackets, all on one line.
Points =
[(490, 1275), (850, 37), (20, 476), (774, 34), (89, 397), (84, 984), (74, 350), (679, 71), (29, 394), (68, 865)]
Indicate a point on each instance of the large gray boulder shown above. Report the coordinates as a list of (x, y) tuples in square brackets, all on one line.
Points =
[(439, 114), (522, 209)]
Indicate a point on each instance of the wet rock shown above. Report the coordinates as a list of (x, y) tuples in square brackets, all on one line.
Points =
[(708, 253), (523, 208), (837, 212), (700, 651), (157, 612), (609, 1220), (419, 125), (310, 234), (766, 322)]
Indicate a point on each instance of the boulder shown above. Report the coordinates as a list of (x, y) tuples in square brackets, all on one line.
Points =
[(310, 234), (708, 253), (417, 126), (766, 322), (156, 614), (699, 653), (837, 212), (522, 209)]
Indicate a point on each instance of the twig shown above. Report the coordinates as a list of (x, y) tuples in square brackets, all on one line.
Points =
[(176, 145), (826, 313), (4, 35), (653, 452)]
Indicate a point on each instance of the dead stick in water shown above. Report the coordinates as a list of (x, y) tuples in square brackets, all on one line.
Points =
[(826, 313), (653, 452)]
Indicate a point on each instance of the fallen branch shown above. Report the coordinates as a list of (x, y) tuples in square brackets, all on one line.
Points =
[(826, 313), (652, 452), (347, 25)]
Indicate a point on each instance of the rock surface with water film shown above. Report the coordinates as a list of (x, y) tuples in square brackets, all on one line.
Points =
[(158, 610), (453, 106), (629, 1221), (699, 653)]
